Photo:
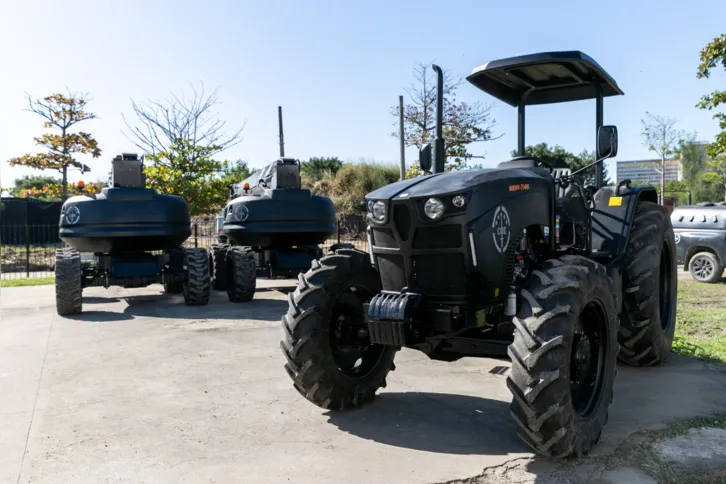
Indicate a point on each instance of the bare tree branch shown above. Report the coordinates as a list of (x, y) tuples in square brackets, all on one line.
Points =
[(178, 118)]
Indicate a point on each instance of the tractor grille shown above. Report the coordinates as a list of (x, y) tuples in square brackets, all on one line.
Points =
[(440, 274), (384, 238), (402, 219), (438, 237), (508, 273), (393, 276)]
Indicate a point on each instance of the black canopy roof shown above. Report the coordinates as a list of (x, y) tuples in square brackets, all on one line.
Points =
[(548, 77)]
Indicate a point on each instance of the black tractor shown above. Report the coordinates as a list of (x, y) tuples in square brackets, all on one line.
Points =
[(271, 227), (134, 236), (525, 262)]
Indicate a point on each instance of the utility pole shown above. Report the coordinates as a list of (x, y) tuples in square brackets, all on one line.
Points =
[(400, 137), (282, 137)]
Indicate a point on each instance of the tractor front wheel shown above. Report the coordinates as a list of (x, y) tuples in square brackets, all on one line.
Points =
[(563, 357), (330, 358)]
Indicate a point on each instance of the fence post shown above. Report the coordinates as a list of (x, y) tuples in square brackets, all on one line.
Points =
[(338, 229), (27, 250), (196, 234)]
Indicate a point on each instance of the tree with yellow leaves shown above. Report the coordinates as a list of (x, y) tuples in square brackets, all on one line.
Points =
[(62, 112)]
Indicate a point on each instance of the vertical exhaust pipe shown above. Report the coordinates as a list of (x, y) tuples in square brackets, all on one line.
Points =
[(282, 137), (439, 147)]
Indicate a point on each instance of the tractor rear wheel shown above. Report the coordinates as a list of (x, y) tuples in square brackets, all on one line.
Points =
[(218, 265), (68, 282), (197, 286), (563, 357), (330, 358), (241, 273), (650, 288)]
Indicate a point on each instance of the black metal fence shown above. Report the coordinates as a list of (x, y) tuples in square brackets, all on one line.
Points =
[(29, 251)]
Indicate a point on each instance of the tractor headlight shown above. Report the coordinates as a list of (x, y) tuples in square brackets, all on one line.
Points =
[(378, 211), (241, 212), (458, 201), (434, 208)]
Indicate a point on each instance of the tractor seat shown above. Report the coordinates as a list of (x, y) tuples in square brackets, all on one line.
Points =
[(519, 162)]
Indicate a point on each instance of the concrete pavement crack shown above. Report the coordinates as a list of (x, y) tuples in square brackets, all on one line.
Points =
[(35, 404), (507, 464)]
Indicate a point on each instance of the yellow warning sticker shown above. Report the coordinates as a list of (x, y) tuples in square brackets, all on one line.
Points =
[(496, 292), (615, 201)]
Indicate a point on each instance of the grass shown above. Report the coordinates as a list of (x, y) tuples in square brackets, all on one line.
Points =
[(38, 281), (701, 321)]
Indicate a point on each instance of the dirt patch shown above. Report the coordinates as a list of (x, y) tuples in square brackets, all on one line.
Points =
[(691, 451)]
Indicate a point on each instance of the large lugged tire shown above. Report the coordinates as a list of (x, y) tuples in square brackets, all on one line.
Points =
[(241, 274), (197, 285), (218, 265), (329, 355), (650, 288), (68, 282), (563, 357), (176, 265), (706, 267)]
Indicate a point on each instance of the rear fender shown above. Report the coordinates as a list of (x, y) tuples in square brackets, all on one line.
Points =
[(613, 218)]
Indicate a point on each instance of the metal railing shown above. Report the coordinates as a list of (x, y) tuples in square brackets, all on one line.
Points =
[(29, 251)]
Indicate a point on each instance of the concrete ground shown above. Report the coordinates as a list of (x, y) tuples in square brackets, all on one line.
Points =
[(140, 388)]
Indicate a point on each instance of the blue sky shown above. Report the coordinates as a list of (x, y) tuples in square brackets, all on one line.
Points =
[(337, 67)]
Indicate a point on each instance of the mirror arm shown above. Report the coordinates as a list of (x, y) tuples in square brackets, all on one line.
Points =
[(588, 166)]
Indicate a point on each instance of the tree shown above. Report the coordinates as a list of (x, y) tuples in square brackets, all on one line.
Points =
[(711, 56), (34, 181), (348, 187), (691, 158), (181, 137), (54, 192), (317, 168), (557, 157), (162, 124), (189, 171), (716, 171), (235, 172), (660, 135), (62, 112), (463, 123)]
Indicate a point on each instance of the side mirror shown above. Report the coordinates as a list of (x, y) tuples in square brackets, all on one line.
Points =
[(424, 157), (607, 142)]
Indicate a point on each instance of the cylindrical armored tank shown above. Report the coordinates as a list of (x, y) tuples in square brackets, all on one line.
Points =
[(271, 211), (125, 216)]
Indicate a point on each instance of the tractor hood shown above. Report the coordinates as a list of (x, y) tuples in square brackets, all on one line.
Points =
[(451, 182)]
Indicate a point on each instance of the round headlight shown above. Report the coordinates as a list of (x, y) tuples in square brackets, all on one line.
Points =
[(434, 208), (241, 212), (379, 211), (458, 201)]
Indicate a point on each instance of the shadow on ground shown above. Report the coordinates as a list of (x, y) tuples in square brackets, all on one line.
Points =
[(162, 305), (434, 422)]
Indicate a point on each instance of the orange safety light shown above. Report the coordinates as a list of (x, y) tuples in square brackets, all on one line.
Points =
[(246, 186), (80, 184)]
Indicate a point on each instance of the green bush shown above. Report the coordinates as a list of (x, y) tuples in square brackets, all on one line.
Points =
[(349, 186)]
